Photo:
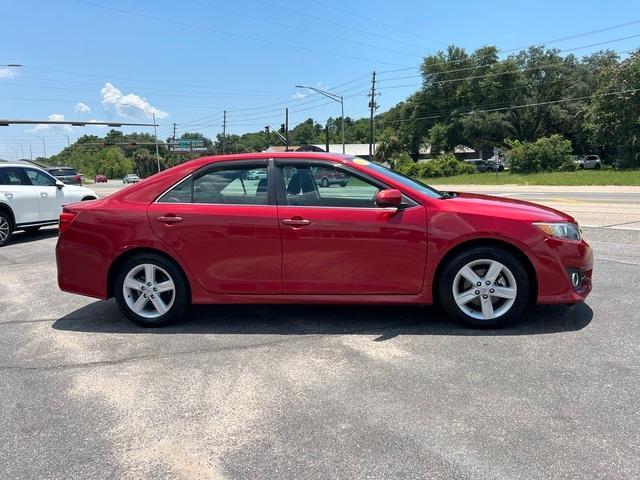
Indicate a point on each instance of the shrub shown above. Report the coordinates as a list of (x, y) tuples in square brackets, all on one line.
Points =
[(443, 166), (547, 154), (401, 162)]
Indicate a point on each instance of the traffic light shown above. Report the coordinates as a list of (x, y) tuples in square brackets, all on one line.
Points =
[(282, 128), (267, 129)]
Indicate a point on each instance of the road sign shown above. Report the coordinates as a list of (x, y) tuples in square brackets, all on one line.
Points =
[(187, 146)]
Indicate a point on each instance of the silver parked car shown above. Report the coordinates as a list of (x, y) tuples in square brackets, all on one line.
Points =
[(589, 162), (131, 178)]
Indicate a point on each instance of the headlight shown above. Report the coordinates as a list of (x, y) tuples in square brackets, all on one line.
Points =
[(565, 231)]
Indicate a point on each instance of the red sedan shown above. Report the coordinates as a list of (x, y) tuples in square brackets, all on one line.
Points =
[(204, 233)]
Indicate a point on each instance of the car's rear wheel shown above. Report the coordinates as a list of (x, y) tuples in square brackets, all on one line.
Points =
[(6, 229), (484, 286), (597, 166), (151, 290)]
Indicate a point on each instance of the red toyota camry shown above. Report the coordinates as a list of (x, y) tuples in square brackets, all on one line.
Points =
[(210, 232)]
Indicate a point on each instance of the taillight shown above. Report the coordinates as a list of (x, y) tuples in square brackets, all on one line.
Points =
[(78, 179), (66, 218)]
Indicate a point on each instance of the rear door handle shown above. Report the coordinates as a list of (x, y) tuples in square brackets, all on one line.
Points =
[(44, 194), (169, 219), (296, 222)]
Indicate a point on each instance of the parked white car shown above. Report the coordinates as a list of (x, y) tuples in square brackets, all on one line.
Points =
[(31, 198), (589, 162)]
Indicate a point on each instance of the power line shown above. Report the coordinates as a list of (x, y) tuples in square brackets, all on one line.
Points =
[(229, 34), (349, 28), (378, 22), (538, 44), (296, 27), (514, 107)]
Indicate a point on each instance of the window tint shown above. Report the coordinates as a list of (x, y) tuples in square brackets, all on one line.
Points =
[(13, 176), (327, 187), (181, 193), (40, 178), (234, 186)]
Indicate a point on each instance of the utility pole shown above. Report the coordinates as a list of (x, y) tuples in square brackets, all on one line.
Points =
[(224, 128), (44, 149), (326, 136), (286, 129), (22, 150), (174, 132), (30, 151), (373, 107)]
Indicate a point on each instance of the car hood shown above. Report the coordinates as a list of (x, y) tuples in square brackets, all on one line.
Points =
[(507, 208), (77, 189)]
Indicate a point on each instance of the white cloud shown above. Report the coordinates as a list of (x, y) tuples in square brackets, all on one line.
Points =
[(81, 108), (7, 72), (43, 127), (112, 98), (298, 96)]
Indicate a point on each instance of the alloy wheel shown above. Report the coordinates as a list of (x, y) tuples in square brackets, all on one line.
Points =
[(484, 289), (4, 229), (149, 290)]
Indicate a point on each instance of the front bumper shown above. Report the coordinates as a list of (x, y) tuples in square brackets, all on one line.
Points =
[(557, 264)]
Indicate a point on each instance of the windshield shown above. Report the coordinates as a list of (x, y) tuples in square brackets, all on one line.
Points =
[(407, 181)]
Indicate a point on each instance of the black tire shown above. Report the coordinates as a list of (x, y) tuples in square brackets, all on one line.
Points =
[(181, 293), (343, 184), (597, 167), (324, 182), (581, 167), (31, 230), (455, 264), (6, 228)]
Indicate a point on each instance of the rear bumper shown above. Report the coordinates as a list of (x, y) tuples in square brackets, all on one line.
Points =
[(556, 261)]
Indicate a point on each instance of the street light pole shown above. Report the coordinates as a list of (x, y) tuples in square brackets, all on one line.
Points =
[(335, 98), (155, 134)]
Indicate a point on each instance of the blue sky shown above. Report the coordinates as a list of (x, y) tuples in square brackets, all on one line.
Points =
[(188, 60)]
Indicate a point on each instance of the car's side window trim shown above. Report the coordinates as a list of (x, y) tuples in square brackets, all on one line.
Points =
[(282, 191)]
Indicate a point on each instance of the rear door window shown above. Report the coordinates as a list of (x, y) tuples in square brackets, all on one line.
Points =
[(13, 176), (232, 186)]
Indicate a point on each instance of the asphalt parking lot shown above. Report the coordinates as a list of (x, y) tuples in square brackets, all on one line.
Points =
[(318, 392)]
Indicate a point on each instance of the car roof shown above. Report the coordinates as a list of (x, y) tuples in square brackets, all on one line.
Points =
[(261, 155), (2, 164)]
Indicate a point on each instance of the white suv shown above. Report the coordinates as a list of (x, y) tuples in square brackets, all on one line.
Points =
[(31, 198), (590, 161)]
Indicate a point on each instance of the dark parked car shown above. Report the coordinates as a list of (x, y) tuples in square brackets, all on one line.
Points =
[(67, 175), (487, 165)]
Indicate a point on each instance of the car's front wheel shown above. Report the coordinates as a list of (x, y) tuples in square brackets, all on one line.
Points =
[(6, 229), (484, 286), (151, 290)]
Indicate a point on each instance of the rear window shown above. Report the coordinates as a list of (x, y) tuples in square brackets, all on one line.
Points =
[(63, 172)]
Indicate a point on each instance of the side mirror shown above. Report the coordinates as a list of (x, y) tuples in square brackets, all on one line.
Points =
[(389, 198), (59, 184)]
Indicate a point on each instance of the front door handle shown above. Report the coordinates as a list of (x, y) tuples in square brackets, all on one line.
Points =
[(296, 222), (43, 194), (169, 219)]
